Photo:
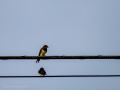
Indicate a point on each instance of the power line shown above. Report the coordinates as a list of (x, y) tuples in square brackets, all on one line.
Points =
[(59, 57), (60, 76)]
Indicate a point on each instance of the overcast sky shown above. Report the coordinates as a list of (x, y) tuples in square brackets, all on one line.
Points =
[(68, 27)]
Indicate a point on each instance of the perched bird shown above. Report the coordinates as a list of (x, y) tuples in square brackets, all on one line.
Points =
[(42, 52), (42, 72)]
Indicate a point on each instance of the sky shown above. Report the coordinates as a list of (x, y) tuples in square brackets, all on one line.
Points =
[(68, 27)]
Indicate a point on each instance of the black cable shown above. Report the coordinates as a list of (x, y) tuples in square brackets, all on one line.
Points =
[(59, 57), (60, 76)]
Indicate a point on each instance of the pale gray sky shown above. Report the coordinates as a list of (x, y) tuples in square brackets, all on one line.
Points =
[(68, 27)]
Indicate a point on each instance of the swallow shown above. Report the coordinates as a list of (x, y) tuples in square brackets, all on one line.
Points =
[(42, 52), (42, 72)]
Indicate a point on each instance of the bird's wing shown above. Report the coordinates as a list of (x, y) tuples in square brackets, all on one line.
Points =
[(40, 51)]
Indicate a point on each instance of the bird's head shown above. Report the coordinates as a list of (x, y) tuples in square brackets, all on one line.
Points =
[(41, 68), (45, 46)]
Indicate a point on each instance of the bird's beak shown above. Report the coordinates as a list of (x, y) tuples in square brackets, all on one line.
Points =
[(47, 47)]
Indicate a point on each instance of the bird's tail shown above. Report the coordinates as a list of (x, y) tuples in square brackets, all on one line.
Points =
[(38, 60)]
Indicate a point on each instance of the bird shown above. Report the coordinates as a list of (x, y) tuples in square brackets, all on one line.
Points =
[(42, 71), (42, 52)]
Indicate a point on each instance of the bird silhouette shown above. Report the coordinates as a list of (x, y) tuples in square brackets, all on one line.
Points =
[(42, 72), (42, 52)]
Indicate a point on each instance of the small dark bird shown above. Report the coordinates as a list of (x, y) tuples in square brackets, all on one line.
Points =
[(42, 52), (42, 72)]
